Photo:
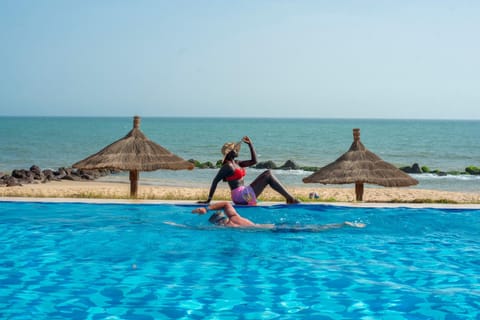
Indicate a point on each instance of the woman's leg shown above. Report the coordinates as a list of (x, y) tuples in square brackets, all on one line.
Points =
[(268, 179)]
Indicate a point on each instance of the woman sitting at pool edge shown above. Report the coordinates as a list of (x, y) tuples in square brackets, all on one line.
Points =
[(233, 171), (226, 215)]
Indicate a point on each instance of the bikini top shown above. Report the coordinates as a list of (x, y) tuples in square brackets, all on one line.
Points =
[(238, 174)]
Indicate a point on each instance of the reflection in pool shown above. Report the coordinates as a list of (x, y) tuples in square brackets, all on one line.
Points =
[(123, 261)]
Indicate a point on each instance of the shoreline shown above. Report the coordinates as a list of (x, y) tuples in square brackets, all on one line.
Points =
[(95, 190)]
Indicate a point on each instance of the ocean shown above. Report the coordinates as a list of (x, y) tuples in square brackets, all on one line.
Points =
[(54, 142)]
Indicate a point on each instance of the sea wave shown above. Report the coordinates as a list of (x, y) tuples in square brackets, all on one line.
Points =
[(430, 176)]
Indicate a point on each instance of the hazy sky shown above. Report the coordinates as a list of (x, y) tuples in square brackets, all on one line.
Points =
[(354, 59)]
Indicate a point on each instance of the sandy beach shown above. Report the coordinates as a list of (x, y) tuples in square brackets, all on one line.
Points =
[(111, 190)]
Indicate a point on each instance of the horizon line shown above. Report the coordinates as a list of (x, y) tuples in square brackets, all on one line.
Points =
[(237, 117)]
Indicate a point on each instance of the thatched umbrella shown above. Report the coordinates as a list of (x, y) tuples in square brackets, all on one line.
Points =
[(134, 153), (358, 165)]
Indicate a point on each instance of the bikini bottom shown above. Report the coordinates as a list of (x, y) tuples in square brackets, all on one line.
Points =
[(244, 195)]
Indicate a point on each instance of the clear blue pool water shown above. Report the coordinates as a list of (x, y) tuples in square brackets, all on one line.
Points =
[(112, 261)]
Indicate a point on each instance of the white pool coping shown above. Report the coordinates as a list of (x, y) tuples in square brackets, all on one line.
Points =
[(263, 203)]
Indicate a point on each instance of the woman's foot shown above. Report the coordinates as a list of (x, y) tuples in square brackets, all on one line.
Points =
[(293, 201)]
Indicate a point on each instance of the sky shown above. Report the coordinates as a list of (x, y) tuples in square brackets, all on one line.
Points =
[(290, 59)]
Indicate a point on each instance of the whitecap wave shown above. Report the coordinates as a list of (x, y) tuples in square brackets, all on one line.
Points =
[(432, 176)]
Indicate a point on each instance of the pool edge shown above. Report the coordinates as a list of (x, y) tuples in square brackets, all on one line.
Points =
[(263, 203)]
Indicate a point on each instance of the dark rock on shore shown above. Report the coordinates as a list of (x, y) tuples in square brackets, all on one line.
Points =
[(203, 165), (37, 172), (266, 165), (49, 175), (10, 181), (20, 177), (23, 175), (73, 178), (415, 168), (289, 165), (473, 170)]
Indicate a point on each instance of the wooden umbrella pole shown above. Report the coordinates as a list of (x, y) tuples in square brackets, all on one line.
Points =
[(359, 191), (133, 183), (136, 122), (356, 134)]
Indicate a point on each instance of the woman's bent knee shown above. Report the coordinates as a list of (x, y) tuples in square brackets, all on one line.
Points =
[(267, 173)]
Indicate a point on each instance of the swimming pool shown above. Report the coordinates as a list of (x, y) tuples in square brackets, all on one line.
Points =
[(122, 261)]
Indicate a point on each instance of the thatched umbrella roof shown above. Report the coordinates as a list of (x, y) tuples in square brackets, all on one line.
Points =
[(134, 153), (358, 165)]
